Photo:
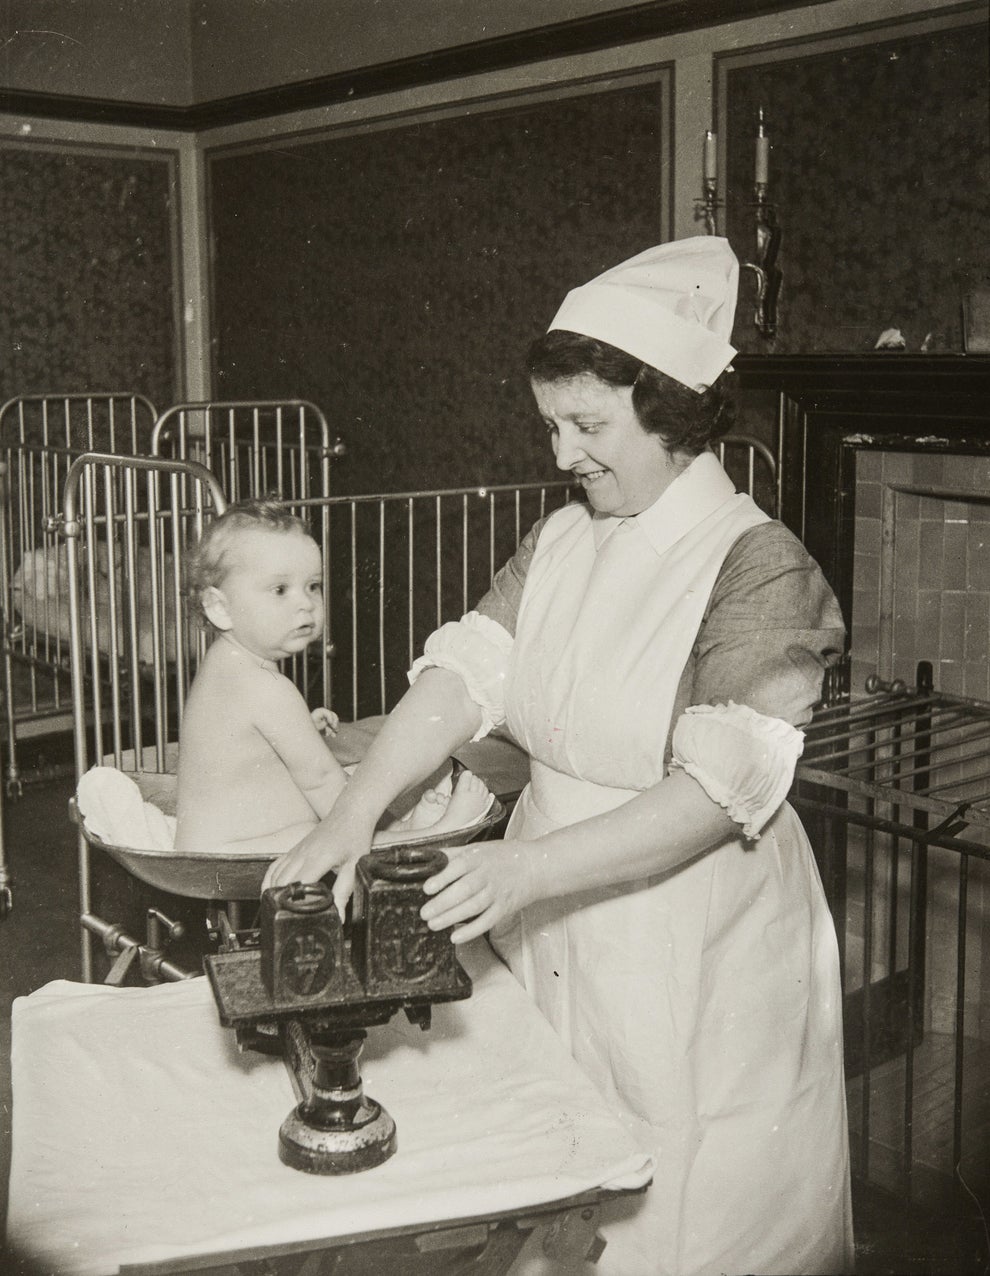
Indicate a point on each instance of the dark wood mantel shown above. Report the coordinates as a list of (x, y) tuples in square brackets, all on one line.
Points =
[(845, 372), (830, 406)]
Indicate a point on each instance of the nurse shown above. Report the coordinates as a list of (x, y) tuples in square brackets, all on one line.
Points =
[(656, 649)]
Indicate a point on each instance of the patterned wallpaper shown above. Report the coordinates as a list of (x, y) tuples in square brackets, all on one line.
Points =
[(397, 277), (880, 167), (86, 260)]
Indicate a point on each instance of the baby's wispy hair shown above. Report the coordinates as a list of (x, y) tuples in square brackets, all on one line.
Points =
[(207, 562)]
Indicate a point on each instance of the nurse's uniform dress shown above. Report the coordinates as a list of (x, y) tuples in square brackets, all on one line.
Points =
[(705, 1002)]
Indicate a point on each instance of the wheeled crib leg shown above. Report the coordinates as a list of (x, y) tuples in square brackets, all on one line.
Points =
[(12, 781), (6, 898)]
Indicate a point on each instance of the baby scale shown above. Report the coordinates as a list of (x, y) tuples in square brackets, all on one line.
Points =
[(309, 986)]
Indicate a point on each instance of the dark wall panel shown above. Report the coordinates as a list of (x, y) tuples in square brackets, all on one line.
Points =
[(396, 277), (86, 263), (880, 167)]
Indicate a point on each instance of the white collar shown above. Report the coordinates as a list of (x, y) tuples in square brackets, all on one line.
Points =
[(698, 491)]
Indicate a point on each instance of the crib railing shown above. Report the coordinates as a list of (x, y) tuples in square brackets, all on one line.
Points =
[(399, 564), (134, 643), (111, 421), (40, 436), (894, 788), (254, 447)]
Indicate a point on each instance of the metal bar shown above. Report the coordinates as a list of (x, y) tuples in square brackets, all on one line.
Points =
[(914, 801), (429, 494), (464, 554), (381, 610), (410, 581), (917, 938), (156, 573), (439, 559), (960, 1015), (885, 633), (491, 536), (866, 1020), (851, 816), (354, 612), (133, 612), (113, 613)]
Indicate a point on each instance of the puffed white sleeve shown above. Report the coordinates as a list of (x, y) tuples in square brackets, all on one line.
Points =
[(477, 648), (744, 760)]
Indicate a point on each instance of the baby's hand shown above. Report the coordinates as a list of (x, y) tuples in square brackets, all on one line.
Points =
[(325, 721)]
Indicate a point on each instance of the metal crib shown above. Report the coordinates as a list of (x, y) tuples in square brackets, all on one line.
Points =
[(133, 646), (254, 447), (894, 787), (40, 435)]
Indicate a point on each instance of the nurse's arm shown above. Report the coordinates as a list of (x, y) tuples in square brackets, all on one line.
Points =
[(434, 717), (655, 832)]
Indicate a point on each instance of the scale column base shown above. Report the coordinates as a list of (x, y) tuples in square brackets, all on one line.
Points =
[(368, 1141)]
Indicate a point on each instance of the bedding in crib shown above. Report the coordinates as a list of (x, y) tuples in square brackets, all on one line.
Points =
[(40, 597)]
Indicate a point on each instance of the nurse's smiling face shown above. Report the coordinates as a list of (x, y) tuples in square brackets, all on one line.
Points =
[(596, 436)]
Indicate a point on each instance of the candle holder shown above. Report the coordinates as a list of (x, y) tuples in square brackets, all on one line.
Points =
[(768, 231), (768, 274), (707, 206), (764, 266)]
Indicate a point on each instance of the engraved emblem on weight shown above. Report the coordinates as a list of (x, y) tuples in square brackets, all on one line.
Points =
[(406, 949), (307, 964)]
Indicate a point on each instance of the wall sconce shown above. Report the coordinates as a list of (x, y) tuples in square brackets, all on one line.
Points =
[(768, 232)]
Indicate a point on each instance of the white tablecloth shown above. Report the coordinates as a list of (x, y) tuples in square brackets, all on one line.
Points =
[(140, 1133)]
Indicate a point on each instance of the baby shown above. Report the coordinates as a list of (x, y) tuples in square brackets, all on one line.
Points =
[(255, 774)]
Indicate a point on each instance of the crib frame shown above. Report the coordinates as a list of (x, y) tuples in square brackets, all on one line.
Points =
[(894, 786), (139, 514), (40, 435), (254, 446)]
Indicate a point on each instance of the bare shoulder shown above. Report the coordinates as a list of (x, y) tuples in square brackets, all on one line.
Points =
[(234, 682)]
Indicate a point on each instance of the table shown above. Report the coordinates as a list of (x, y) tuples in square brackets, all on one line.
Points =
[(143, 1141)]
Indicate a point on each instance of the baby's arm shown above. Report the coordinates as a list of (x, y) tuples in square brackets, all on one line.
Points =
[(284, 719)]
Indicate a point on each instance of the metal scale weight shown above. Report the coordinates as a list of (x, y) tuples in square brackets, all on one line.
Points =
[(305, 985)]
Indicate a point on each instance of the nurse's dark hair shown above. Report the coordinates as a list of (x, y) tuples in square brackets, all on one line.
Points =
[(683, 417), (208, 561)]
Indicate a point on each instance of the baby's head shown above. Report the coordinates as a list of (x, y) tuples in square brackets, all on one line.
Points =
[(257, 575)]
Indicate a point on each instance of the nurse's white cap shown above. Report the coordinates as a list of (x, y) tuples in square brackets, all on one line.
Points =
[(671, 306)]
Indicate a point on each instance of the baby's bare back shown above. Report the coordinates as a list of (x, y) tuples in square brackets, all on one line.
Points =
[(234, 790)]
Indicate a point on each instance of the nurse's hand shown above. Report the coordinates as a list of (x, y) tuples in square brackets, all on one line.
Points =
[(483, 884), (321, 852)]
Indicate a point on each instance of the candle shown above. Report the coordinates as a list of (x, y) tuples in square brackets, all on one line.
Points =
[(762, 153), (711, 158)]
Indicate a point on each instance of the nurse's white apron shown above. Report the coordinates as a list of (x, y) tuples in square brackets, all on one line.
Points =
[(704, 1003)]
